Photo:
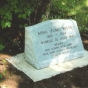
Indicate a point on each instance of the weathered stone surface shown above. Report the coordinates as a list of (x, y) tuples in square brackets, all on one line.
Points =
[(52, 42)]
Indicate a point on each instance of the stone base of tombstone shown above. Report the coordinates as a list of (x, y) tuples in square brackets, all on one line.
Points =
[(19, 62)]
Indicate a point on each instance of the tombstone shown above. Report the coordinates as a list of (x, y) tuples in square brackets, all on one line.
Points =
[(52, 42)]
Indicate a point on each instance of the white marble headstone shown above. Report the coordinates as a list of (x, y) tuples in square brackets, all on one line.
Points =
[(52, 42)]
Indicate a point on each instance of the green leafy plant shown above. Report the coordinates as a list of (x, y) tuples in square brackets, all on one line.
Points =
[(1, 47), (4, 61), (4, 72), (10, 8), (1, 75)]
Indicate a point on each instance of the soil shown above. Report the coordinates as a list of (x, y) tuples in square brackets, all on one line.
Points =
[(13, 78)]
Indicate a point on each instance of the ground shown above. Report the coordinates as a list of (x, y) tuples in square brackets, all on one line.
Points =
[(13, 78)]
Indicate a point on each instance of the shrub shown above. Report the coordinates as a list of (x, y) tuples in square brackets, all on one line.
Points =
[(1, 47)]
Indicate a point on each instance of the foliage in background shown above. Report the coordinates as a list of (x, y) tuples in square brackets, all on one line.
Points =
[(17, 14), (13, 8), (27, 11), (14, 16), (71, 9)]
